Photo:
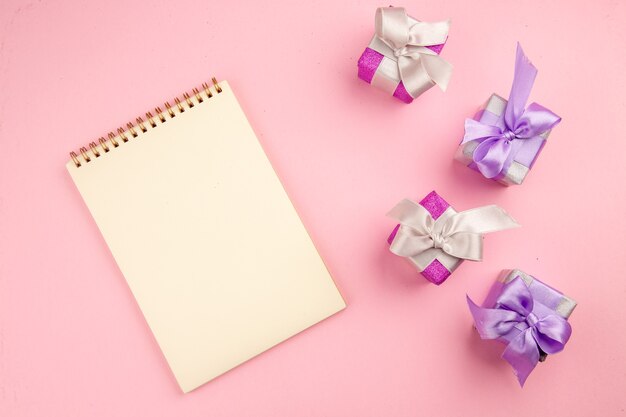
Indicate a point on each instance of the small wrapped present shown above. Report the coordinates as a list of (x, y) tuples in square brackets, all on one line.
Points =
[(528, 316), (504, 138), (436, 238), (403, 56)]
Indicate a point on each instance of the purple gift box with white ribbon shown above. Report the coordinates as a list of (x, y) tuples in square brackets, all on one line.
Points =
[(505, 137), (528, 316), (403, 56), (436, 238)]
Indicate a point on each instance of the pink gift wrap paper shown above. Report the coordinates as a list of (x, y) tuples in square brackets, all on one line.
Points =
[(435, 272), (369, 62), (73, 341)]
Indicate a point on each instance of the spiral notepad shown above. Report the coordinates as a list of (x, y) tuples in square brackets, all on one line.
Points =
[(201, 228)]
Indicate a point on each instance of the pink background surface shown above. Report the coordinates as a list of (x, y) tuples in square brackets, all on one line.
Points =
[(72, 339)]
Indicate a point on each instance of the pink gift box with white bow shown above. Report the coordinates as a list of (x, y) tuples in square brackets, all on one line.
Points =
[(403, 56)]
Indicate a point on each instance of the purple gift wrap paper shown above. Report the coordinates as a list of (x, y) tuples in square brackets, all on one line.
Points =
[(504, 138), (492, 113), (546, 302)]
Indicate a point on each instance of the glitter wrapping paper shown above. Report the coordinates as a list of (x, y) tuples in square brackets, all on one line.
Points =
[(492, 113), (378, 66), (434, 264), (547, 300)]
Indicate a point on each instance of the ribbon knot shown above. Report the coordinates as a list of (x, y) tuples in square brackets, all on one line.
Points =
[(513, 306), (458, 235), (497, 145), (420, 67), (509, 136), (399, 51), (532, 319), (438, 240)]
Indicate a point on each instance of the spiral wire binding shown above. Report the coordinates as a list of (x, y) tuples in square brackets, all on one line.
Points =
[(96, 149)]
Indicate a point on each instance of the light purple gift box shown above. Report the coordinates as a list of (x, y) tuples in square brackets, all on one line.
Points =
[(547, 301), (434, 264), (492, 113), (378, 66)]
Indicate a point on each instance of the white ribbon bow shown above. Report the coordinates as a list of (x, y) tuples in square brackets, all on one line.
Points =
[(459, 235), (420, 68)]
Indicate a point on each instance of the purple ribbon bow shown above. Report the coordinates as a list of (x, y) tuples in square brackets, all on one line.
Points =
[(514, 308), (499, 144)]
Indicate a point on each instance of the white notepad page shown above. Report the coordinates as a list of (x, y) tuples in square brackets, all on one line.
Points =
[(206, 237)]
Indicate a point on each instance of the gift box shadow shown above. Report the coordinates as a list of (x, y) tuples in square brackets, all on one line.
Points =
[(472, 179), (398, 271), (487, 351)]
